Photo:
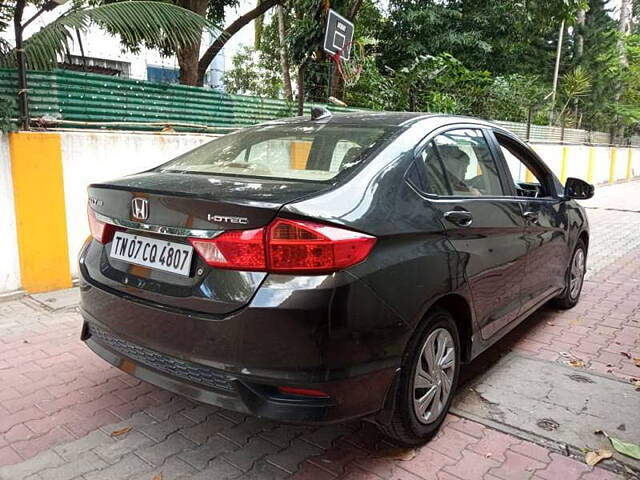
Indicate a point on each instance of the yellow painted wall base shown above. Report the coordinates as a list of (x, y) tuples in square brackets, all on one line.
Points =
[(563, 165), (36, 168), (612, 164)]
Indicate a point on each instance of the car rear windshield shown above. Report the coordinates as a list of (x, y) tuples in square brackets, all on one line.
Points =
[(296, 152)]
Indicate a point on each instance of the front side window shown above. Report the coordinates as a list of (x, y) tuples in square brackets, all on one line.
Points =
[(460, 163), (527, 182), (296, 152), (468, 163)]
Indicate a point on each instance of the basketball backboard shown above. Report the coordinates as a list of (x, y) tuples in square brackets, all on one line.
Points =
[(338, 35)]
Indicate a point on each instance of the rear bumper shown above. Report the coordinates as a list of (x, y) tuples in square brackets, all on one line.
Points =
[(336, 337), (347, 398)]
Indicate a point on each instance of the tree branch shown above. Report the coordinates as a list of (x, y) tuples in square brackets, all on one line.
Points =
[(222, 39)]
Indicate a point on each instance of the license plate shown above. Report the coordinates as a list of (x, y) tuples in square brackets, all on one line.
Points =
[(158, 254)]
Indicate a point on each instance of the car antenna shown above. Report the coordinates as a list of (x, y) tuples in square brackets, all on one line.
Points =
[(318, 113)]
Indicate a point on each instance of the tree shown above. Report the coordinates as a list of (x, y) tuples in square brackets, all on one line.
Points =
[(193, 68), (600, 58), (253, 74), (226, 34), (135, 22)]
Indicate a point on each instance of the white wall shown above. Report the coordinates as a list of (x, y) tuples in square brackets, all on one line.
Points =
[(9, 260), (89, 157)]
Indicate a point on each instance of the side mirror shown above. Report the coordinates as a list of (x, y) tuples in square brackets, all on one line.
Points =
[(578, 189)]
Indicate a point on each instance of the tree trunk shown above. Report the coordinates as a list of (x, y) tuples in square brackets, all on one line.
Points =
[(188, 56), (225, 35), (300, 81), (284, 57), (580, 20), (624, 27)]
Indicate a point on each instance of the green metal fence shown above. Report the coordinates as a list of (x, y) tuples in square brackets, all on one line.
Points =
[(89, 98)]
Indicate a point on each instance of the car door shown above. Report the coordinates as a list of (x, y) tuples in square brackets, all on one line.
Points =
[(535, 187), (466, 184)]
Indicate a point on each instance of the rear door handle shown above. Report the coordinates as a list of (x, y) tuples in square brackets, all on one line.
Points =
[(531, 216), (461, 218)]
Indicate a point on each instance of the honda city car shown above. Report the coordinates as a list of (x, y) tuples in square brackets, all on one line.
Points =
[(319, 269)]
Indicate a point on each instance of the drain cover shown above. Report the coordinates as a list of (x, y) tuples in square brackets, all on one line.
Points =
[(548, 424)]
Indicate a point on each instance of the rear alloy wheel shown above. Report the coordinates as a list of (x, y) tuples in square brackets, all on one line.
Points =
[(575, 278), (435, 371), (428, 380)]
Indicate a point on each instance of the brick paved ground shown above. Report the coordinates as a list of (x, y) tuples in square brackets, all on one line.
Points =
[(59, 403)]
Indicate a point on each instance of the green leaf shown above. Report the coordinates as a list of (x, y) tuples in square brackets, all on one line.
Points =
[(629, 449), (137, 22)]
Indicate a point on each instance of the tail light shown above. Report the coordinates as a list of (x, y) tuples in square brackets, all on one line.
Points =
[(286, 246), (101, 231), (237, 250)]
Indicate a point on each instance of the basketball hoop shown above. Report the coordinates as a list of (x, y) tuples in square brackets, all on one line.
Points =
[(350, 68)]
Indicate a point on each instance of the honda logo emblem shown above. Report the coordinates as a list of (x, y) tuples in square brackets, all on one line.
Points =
[(140, 208)]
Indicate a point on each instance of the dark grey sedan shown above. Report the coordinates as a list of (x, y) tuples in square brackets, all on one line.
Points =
[(314, 270)]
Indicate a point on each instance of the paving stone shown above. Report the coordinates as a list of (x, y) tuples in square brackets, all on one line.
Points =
[(249, 427), (283, 435), (160, 430), (200, 456), (158, 453), (134, 440), (166, 410), (292, 456), (46, 459), (84, 463), (70, 450), (218, 469), (200, 432), (472, 465), (128, 465), (517, 467), (244, 458), (199, 412), (263, 470), (172, 468)]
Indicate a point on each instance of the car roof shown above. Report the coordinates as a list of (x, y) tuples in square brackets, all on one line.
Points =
[(375, 119)]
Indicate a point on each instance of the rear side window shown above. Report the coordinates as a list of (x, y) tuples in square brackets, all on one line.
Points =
[(306, 151), (460, 163)]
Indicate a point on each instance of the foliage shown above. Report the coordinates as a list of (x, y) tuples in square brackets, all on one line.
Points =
[(503, 37), (253, 74), (511, 97), (627, 109), (136, 22), (7, 109)]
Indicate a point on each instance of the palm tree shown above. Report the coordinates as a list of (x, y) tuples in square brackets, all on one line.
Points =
[(140, 22)]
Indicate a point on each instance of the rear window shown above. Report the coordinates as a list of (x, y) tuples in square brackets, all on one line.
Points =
[(296, 152)]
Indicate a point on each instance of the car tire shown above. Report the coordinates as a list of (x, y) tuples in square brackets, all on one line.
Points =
[(406, 426), (574, 278)]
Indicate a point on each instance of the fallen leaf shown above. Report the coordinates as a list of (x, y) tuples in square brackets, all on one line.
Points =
[(577, 363), (637, 361), (404, 454), (120, 432), (593, 458), (626, 354), (626, 448), (629, 449), (157, 477)]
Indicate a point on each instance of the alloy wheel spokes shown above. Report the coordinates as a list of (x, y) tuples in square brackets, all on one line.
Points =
[(434, 375), (577, 273)]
